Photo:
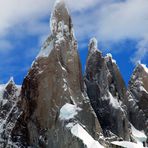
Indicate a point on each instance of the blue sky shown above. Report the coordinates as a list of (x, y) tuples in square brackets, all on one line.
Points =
[(120, 27)]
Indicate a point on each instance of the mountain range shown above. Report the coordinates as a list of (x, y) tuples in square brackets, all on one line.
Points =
[(59, 107)]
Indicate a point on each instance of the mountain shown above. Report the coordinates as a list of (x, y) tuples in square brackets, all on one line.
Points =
[(58, 107), (138, 94), (55, 108), (107, 92), (9, 96)]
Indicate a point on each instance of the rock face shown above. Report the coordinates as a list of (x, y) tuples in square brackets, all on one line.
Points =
[(138, 98), (53, 97), (107, 92), (8, 110)]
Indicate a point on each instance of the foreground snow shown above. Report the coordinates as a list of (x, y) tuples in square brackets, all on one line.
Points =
[(78, 131), (139, 136), (127, 144), (69, 111)]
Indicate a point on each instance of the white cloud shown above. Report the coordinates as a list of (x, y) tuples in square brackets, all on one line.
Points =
[(124, 20), (109, 21), (116, 21), (13, 12), (142, 51)]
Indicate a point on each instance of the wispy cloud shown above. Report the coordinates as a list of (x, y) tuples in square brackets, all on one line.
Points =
[(142, 51)]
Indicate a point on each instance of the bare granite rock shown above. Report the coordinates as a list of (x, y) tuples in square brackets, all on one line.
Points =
[(55, 80), (107, 92)]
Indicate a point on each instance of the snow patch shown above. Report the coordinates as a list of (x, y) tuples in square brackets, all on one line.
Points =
[(139, 136), (68, 111), (127, 144), (114, 101), (78, 131), (145, 68), (46, 50)]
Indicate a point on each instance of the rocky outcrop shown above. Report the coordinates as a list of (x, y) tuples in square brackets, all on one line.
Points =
[(107, 92), (53, 99), (9, 94), (138, 98)]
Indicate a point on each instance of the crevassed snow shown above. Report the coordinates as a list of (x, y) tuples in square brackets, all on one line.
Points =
[(46, 50), (127, 144), (78, 131), (68, 111), (139, 136)]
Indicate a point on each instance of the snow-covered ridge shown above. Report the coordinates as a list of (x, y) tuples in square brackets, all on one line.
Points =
[(78, 131)]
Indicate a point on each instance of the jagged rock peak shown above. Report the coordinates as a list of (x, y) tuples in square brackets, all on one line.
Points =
[(93, 45), (61, 30), (141, 67), (109, 57), (60, 19), (140, 76), (11, 81)]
